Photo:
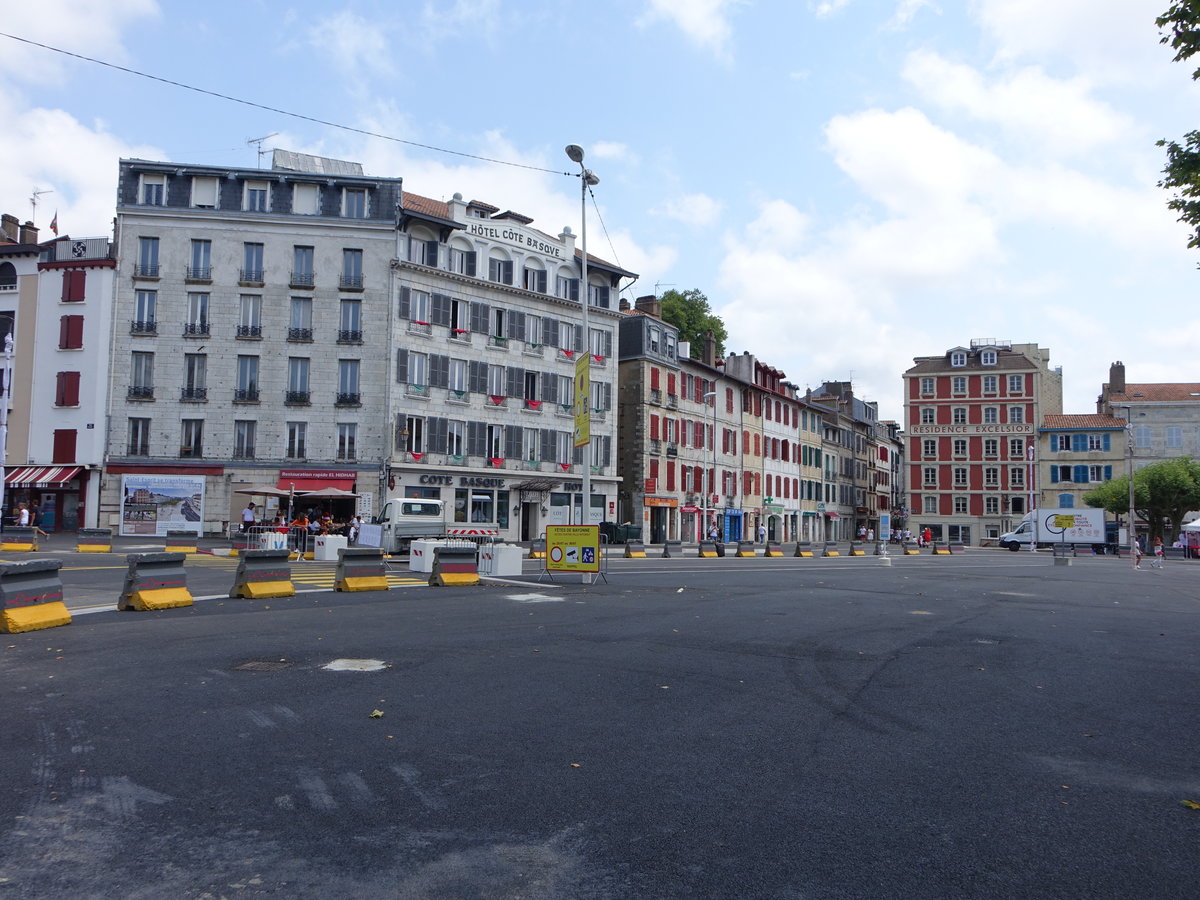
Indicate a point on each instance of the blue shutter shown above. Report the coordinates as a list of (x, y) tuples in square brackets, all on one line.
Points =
[(1079, 443), (1066, 501), (1054, 474), (1106, 444), (1107, 469), (1081, 474)]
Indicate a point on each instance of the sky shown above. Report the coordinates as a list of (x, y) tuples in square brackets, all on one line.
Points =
[(851, 183)]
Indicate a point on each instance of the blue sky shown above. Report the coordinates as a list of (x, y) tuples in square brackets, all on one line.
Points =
[(851, 183)]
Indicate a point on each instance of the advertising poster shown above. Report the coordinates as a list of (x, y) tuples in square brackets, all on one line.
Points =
[(583, 390), (573, 548), (156, 504)]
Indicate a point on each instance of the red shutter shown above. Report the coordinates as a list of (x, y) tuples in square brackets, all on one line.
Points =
[(654, 469), (653, 378), (671, 383), (684, 427), (700, 389), (654, 428), (70, 332), (64, 445), (724, 440), (670, 475), (728, 400), (67, 391), (73, 284)]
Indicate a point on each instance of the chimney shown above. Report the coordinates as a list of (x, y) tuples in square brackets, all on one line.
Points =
[(624, 304), (709, 357), (1116, 378), (9, 227), (649, 304), (29, 234)]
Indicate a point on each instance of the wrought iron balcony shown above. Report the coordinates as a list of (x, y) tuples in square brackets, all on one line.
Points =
[(349, 336), (143, 326), (297, 398), (245, 395), (196, 329), (299, 334), (141, 392), (302, 279), (349, 399), (250, 331), (193, 394)]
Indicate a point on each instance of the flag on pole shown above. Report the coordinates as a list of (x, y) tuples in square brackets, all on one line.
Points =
[(54, 223)]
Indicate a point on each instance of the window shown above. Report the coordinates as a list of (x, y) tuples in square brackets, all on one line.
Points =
[(195, 377), (991, 477), (418, 307), (958, 359), (297, 437), (927, 386), (139, 437), (1099, 473), (598, 295), (306, 199), (252, 264), (154, 190), (566, 288), (600, 344), (243, 439), (350, 329), (347, 440), (960, 506), (1141, 436), (990, 384), (418, 370), (458, 377), (991, 506), (958, 384), (297, 390), (197, 315), (988, 357), (141, 375), (255, 199), (930, 505), (500, 271), (494, 447), (959, 415), (348, 381), (929, 476), (423, 252), (145, 305), (1017, 505), (928, 415), (991, 447), (1016, 448), (529, 445), (300, 319), (462, 262), (66, 390), (960, 446), (352, 269), (1016, 385), (928, 447), (250, 316), (1174, 436), (1061, 442), (302, 266), (1016, 476), (456, 438), (70, 333), (200, 268), (204, 191), (414, 439), (653, 338), (1066, 501), (246, 390), (147, 259), (1016, 414), (991, 415), (960, 476), (354, 203), (191, 438), (534, 279), (495, 381), (568, 336)]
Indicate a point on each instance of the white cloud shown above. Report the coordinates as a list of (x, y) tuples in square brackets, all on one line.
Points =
[(827, 8), (477, 16), (612, 150), (704, 22), (1054, 113), (695, 209), (360, 48), (906, 11)]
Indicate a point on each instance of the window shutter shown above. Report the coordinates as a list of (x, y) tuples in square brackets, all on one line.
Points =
[(671, 383), (479, 317), (431, 253), (516, 325), (512, 441), (469, 259), (476, 438), (654, 428), (72, 286), (607, 344), (1081, 474), (439, 370), (1078, 443), (68, 389), (405, 294), (401, 366), (439, 310), (549, 387), (654, 379), (550, 332), (514, 385), (64, 445), (670, 475), (1107, 442), (477, 376), (1054, 474), (547, 444), (1107, 469)]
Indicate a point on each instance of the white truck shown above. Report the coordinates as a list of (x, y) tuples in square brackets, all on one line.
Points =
[(405, 518), (1053, 526)]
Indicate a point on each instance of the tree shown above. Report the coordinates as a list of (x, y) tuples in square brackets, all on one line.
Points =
[(690, 313), (1163, 490), (1182, 172)]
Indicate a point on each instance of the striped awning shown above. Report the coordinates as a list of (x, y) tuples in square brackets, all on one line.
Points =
[(40, 476)]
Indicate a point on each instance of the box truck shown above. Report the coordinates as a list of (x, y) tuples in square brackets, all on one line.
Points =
[(1054, 526)]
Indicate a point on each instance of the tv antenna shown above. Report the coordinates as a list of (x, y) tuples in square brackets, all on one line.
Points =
[(258, 142), (33, 201)]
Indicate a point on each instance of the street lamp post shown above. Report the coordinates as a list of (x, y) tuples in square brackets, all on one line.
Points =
[(5, 397), (1129, 471), (708, 491)]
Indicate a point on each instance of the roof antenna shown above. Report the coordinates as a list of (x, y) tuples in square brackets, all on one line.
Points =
[(33, 201), (258, 142)]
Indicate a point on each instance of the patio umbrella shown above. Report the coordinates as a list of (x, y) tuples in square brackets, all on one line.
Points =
[(261, 491), (329, 493)]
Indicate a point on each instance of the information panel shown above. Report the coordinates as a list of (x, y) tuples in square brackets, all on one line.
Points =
[(573, 548), (583, 401)]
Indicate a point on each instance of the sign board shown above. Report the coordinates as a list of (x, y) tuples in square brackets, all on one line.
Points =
[(156, 504), (573, 548), (885, 526), (583, 403)]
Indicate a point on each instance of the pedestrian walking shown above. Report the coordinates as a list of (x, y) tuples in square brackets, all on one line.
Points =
[(1158, 553), (1137, 553)]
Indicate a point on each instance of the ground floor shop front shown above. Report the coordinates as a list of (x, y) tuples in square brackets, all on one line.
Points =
[(59, 498)]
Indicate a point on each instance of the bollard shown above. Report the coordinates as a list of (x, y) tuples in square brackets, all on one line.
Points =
[(635, 550), (774, 548), (831, 549), (454, 566), (19, 538), (155, 581), (745, 549), (31, 596), (181, 542), (804, 548), (93, 540), (537, 548), (361, 569), (911, 548), (262, 574), (672, 549), (708, 550), (857, 549)]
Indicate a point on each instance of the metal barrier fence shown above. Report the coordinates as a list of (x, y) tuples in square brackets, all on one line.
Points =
[(270, 537)]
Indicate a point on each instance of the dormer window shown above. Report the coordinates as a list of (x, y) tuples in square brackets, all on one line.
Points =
[(988, 357), (154, 190), (958, 359)]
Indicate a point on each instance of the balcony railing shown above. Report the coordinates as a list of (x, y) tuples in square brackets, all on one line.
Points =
[(193, 394), (141, 392), (297, 398), (350, 282), (349, 336), (145, 270), (245, 395), (299, 334), (419, 328), (462, 335), (496, 341), (346, 398), (143, 326), (656, 396), (196, 329), (243, 452), (199, 273), (302, 280), (253, 332), (250, 276)]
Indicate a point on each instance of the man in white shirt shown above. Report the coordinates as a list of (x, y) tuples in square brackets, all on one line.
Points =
[(248, 516)]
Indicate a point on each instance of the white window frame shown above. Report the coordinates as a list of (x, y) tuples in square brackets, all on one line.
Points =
[(253, 188), (306, 199), (152, 190), (958, 359), (349, 211), (206, 189)]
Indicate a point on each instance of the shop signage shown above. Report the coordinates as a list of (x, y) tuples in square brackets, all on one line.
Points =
[(317, 473), (662, 501), (1010, 428), (517, 237), (463, 481)]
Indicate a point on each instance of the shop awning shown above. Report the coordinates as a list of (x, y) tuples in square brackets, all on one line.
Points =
[(315, 484), (40, 476)]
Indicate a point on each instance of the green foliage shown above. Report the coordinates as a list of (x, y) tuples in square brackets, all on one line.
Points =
[(1181, 175), (1163, 490), (690, 313)]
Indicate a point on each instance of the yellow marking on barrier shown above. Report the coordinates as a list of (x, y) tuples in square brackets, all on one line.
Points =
[(858, 552), (160, 598), (32, 618), (709, 554), (15, 547), (635, 554), (537, 554), (747, 554), (450, 579), (832, 553), (805, 553), (262, 590), (188, 549), (912, 552), (941, 552), (363, 583), (93, 548), (773, 553)]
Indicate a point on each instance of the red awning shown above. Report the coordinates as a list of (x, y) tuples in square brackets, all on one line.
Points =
[(314, 484), (40, 476)]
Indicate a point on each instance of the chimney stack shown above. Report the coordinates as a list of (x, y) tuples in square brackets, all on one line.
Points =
[(29, 234), (1116, 378), (9, 227), (709, 357), (650, 304)]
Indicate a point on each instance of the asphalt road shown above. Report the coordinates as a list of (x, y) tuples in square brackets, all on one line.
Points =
[(985, 725)]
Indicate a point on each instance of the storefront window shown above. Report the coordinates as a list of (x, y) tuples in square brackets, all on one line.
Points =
[(481, 506)]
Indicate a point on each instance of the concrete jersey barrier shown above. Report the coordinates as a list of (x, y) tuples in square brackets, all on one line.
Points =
[(262, 574), (360, 569), (804, 549), (454, 566), (672, 549), (181, 542), (93, 540), (831, 549), (31, 596), (19, 538), (635, 550), (858, 548), (774, 548), (711, 549), (155, 581), (537, 548), (746, 549)]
